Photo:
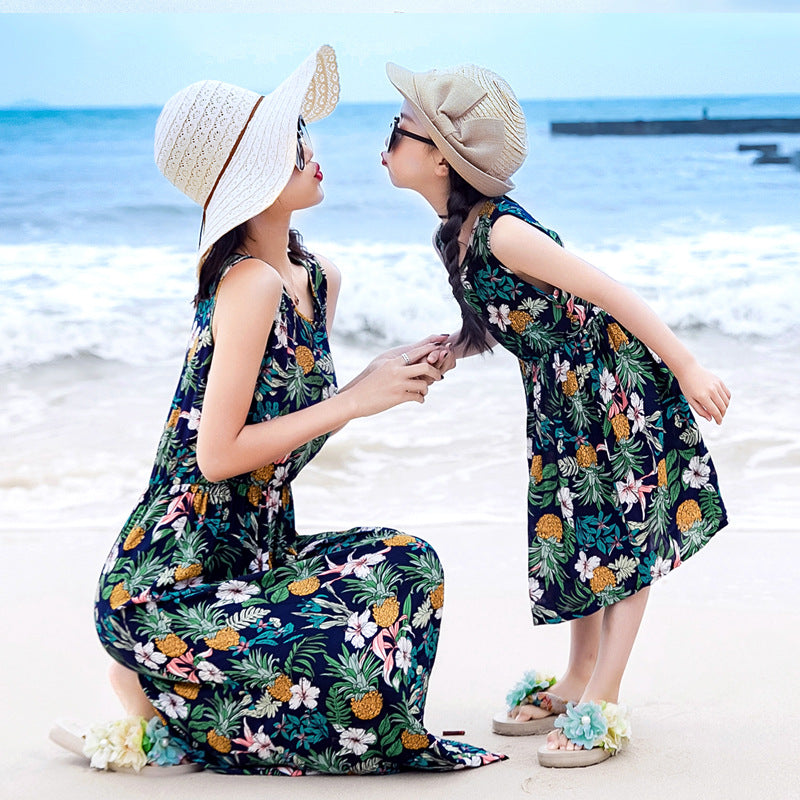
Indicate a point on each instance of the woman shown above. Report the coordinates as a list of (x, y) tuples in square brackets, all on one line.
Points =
[(621, 487), (239, 646)]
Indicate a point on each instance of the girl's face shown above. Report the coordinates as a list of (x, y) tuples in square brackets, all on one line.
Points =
[(411, 164)]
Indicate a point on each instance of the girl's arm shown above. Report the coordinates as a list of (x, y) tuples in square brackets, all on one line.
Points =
[(226, 446), (535, 257)]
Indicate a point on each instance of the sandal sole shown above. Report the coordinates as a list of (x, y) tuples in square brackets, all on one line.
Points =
[(504, 725), (565, 759)]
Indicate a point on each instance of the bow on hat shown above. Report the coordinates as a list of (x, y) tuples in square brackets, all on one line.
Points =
[(444, 100)]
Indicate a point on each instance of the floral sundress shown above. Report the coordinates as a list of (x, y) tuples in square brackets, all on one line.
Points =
[(266, 652), (621, 487)]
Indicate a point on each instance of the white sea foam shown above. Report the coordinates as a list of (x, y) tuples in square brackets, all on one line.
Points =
[(132, 304)]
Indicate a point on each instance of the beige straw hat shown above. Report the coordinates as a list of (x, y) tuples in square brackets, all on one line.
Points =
[(231, 150), (474, 118)]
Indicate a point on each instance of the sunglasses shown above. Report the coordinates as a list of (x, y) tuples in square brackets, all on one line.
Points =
[(396, 131), (303, 140)]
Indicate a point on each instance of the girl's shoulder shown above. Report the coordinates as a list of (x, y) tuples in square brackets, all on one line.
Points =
[(497, 207)]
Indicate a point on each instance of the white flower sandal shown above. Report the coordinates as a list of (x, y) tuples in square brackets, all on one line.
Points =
[(531, 689), (599, 728), (133, 744)]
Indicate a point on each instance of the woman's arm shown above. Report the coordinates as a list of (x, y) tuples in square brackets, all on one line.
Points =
[(226, 446), (535, 257)]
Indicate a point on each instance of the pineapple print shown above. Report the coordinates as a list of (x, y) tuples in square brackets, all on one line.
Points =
[(174, 416), (385, 614), (187, 690), (377, 590), (305, 359), (172, 645), (221, 743), (437, 597), (586, 456), (616, 336), (223, 639), (119, 596), (621, 426), (304, 581), (536, 469), (368, 706), (414, 741), (570, 385), (134, 538), (192, 571), (687, 514), (254, 495), (662, 473), (602, 578), (222, 717), (200, 503), (264, 473), (281, 688), (550, 526), (187, 556), (398, 540), (519, 320)]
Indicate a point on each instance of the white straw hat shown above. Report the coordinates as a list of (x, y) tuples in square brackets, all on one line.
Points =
[(231, 150), (474, 118)]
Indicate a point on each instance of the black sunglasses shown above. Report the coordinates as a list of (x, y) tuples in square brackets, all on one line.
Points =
[(302, 139), (396, 131)]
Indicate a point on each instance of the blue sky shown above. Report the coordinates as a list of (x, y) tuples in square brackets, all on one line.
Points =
[(141, 59)]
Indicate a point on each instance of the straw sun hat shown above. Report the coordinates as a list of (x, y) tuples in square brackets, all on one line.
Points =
[(474, 118), (231, 150)]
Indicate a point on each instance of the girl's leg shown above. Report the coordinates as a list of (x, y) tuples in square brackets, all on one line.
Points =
[(620, 626), (125, 683), (583, 649)]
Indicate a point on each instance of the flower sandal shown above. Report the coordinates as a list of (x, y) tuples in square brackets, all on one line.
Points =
[(127, 745), (599, 728), (530, 690)]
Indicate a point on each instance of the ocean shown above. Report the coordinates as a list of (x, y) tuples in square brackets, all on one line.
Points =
[(97, 255)]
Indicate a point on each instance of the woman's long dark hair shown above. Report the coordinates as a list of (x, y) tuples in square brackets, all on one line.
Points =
[(229, 243), (462, 199)]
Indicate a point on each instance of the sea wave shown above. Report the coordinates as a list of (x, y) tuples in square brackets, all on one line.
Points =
[(132, 304)]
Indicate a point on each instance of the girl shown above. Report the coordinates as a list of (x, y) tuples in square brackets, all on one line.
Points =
[(239, 646), (621, 487)]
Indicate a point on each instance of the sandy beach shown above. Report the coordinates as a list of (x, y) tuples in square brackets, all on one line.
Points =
[(710, 681)]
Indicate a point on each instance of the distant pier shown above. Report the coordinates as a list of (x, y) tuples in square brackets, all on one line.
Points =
[(672, 127)]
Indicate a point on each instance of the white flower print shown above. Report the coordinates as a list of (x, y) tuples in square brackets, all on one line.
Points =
[(328, 391), (402, 656), (273, 503), (187, 582), (499, 316), (660, 568), (530, 448), (209, 673), (281, 330), (565, 499), (193, 417), (262, 745), (607, 385), (561, 368), (236, 591), (636, 413), (148, 655), (535, 591), (359, 628), (537, 394), (586, 566), (173, 705), (281, 474), (260, 562), (356, 740), (303, 693), (697, 473), (628, 490), (360, 566)]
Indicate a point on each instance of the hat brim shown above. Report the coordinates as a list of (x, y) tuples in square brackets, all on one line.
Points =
[(403, 80), (265, 157)]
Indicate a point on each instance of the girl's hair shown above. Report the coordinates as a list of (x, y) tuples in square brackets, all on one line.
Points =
[(460, 202), (229, 243)]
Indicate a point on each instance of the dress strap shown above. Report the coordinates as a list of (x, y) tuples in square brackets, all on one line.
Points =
[(500, 206)]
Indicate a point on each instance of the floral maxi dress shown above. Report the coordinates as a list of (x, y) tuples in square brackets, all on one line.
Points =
[(266, 652), (621, 488)]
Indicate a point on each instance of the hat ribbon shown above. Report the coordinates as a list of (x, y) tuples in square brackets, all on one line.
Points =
[(225, 165)]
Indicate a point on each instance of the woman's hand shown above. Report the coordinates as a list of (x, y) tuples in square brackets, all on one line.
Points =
[(430, 344), (392, 381), (706, 393)]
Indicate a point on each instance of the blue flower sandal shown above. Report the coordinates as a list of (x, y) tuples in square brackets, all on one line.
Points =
[(599, 728), (133, 744), (532, 690)]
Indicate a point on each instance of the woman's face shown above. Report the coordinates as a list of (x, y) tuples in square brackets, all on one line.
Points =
[(410, 163), (304, 188)]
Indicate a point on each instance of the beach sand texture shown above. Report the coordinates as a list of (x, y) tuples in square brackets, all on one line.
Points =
[(712, 677)]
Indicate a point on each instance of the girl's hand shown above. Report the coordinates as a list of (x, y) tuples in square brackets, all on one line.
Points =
[(706, 393), (393, 381)]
